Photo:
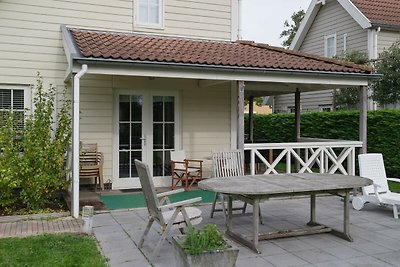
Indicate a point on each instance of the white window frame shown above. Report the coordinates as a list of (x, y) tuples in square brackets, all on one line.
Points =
[(323, 107), (27, 93), (159, 25), (326, 38), (345, 42)]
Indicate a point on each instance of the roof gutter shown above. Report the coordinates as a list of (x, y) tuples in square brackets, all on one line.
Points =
[(224, 68), (385, 26)]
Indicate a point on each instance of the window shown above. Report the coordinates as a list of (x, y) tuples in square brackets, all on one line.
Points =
[(291, 109), (325, 108), (149, 13), (330, 45), (14, 100)]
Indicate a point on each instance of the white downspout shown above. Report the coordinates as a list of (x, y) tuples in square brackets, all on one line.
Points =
[(75, 142), (239, 25)]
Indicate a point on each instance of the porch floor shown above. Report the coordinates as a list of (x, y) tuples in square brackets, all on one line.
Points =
[(375, 232)]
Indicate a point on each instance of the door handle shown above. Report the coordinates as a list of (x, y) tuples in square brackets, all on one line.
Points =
[(143, 140)]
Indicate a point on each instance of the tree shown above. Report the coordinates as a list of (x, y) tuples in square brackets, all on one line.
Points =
[(387, 89), (290, 29), (348, 98)]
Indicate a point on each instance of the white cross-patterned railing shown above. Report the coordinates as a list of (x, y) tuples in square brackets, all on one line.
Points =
[(307, 155)]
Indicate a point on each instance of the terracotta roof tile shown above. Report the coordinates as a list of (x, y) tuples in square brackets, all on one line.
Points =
[(386, 12), (245, 54)]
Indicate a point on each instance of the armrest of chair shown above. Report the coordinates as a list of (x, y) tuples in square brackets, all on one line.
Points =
[(397, 180), (194, 160), (164, 194), (194, 164), (376, 186), (181, 203)]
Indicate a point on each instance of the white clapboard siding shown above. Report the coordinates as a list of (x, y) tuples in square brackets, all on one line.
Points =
[(206, 131), (331, 19), (386, 38), (30, 36), (31, 41)]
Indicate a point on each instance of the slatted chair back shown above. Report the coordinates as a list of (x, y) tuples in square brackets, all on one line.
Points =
[(372, 167), (228, 163), (149, 192)]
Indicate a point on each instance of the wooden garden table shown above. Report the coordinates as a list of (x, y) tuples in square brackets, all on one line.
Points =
[(254, 189)]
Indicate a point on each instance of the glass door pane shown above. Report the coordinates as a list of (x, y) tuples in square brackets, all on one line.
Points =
[(163, 134), (130, 134)]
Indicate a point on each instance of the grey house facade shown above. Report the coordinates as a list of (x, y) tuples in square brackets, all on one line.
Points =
[(331, 27)]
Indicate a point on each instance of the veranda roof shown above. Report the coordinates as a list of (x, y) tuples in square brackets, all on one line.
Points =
[(117, 46)]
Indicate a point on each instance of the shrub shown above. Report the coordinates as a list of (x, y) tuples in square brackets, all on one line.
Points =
[(206, 239), (9, 158), (34, 158)]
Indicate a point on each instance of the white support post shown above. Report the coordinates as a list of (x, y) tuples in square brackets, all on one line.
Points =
[(75, 143), (363, 117), (252, 162), (240, 116)]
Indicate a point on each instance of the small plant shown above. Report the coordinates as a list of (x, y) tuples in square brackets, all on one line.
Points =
[(204, 240)]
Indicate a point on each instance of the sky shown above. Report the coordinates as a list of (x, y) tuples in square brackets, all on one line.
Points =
[(262, 20)]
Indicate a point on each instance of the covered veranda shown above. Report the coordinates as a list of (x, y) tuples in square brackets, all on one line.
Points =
[(241, 67)]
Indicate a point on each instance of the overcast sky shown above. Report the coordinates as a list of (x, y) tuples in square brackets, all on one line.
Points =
[(262, 20)]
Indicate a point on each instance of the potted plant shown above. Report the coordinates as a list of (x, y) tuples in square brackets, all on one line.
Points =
[(205, 247)]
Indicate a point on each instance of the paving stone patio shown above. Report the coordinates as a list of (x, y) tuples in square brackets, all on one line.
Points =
[(375, 232)]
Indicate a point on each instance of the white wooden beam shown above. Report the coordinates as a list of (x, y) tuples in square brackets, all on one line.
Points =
[(297, 114), (240, 115), (363, 117), (345, 80), (208, 83)]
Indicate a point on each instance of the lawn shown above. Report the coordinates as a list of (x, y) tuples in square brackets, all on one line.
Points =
[(51, 250), (394, 187)]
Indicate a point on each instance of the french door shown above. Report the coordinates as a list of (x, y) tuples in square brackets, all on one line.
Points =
[(145, 128)]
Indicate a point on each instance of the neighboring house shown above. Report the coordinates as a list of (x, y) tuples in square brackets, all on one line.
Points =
[(331, 27), (150, 76)]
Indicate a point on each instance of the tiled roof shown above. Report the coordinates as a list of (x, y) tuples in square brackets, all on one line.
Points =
[(386, 12), (243, 54)]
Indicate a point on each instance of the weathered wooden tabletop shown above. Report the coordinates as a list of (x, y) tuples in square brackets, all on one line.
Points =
[(282, 183)]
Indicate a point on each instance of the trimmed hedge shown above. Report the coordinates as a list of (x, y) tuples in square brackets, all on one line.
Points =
[(383, 131)]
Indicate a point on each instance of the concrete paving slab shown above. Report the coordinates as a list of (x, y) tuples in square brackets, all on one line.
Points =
[(374, 242)]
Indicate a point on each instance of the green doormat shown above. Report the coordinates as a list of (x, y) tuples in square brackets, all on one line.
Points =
[(136, 200)]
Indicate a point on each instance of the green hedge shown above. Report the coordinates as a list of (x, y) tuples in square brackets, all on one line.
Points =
[(383, 130)]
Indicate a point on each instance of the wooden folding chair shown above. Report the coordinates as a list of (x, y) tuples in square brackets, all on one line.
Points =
[(168, 216), (185, 171)]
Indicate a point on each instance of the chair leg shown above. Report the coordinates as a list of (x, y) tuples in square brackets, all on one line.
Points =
[(146, 231), (165, 233), (213, 205), (223, 205), (395, 211)]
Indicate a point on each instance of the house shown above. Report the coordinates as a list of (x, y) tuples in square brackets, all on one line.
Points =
[(331, 27), (148, 77)]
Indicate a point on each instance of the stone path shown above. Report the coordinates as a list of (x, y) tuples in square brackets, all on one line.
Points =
[(28, 227)]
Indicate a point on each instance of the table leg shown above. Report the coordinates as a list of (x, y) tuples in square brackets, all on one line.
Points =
[(256, 222), (229, 218), (346, 221), (313, 220)]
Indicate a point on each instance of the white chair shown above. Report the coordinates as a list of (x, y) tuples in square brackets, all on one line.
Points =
[(227, 163), (170, 215), (372, 167), (183, 170)]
